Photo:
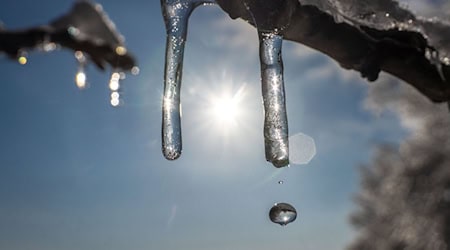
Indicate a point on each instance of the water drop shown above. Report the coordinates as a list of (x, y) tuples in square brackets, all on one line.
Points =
[(176, 14), (115, 99), (275, 117), (120, 50), (47, 45), (22, 60), (282, 213), (280, 182), (73, 31), (114, 86), (79, 55), (135, 70), (80, 79)]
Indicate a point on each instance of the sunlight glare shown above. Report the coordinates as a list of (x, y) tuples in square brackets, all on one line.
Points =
[(225, 109)]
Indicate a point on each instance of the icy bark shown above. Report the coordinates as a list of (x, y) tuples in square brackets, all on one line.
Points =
[(367, 36), (86, 27)]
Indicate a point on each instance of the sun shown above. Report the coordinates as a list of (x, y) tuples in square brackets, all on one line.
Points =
[(225, 109)]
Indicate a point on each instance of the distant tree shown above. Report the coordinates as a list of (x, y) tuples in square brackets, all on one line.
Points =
[(404, 201)]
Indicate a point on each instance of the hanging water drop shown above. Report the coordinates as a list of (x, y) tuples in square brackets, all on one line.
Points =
[(115, 99), (80, 77), (79, 56), (47, 45), (22, 57), (135, 70), (176, 14), (114, 83), (282, 213), (275, 117), (120, 50), (22, 60), (114, 86)]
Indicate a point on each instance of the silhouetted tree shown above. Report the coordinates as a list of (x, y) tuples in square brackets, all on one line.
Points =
[(404, 201)]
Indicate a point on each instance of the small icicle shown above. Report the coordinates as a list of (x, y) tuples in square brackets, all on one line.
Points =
[(80, 77), (275, 118), (176, 14)]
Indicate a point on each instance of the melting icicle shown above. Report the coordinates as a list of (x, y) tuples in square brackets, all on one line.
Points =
[(275, 117), (176, 14), (282, 213)]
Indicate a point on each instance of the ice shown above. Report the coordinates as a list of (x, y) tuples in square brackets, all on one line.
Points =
[(176, 15), (275, 118), (388, 14)]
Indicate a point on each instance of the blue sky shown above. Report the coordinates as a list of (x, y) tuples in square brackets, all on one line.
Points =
[(79, 174)]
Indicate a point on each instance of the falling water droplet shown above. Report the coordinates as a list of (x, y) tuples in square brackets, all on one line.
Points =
[(275, 117), (176, 15), (282, 213), (280, 182)]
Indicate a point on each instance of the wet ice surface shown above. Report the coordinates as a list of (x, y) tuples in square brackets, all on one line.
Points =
[(176, 15), (275, 118), (389, 15), (282, 214)]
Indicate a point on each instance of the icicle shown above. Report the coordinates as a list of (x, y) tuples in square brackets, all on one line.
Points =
[(80, 77), (176, 14), (275, 117)]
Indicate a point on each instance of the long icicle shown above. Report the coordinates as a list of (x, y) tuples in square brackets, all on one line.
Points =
[(275, 118), (176, 15)]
